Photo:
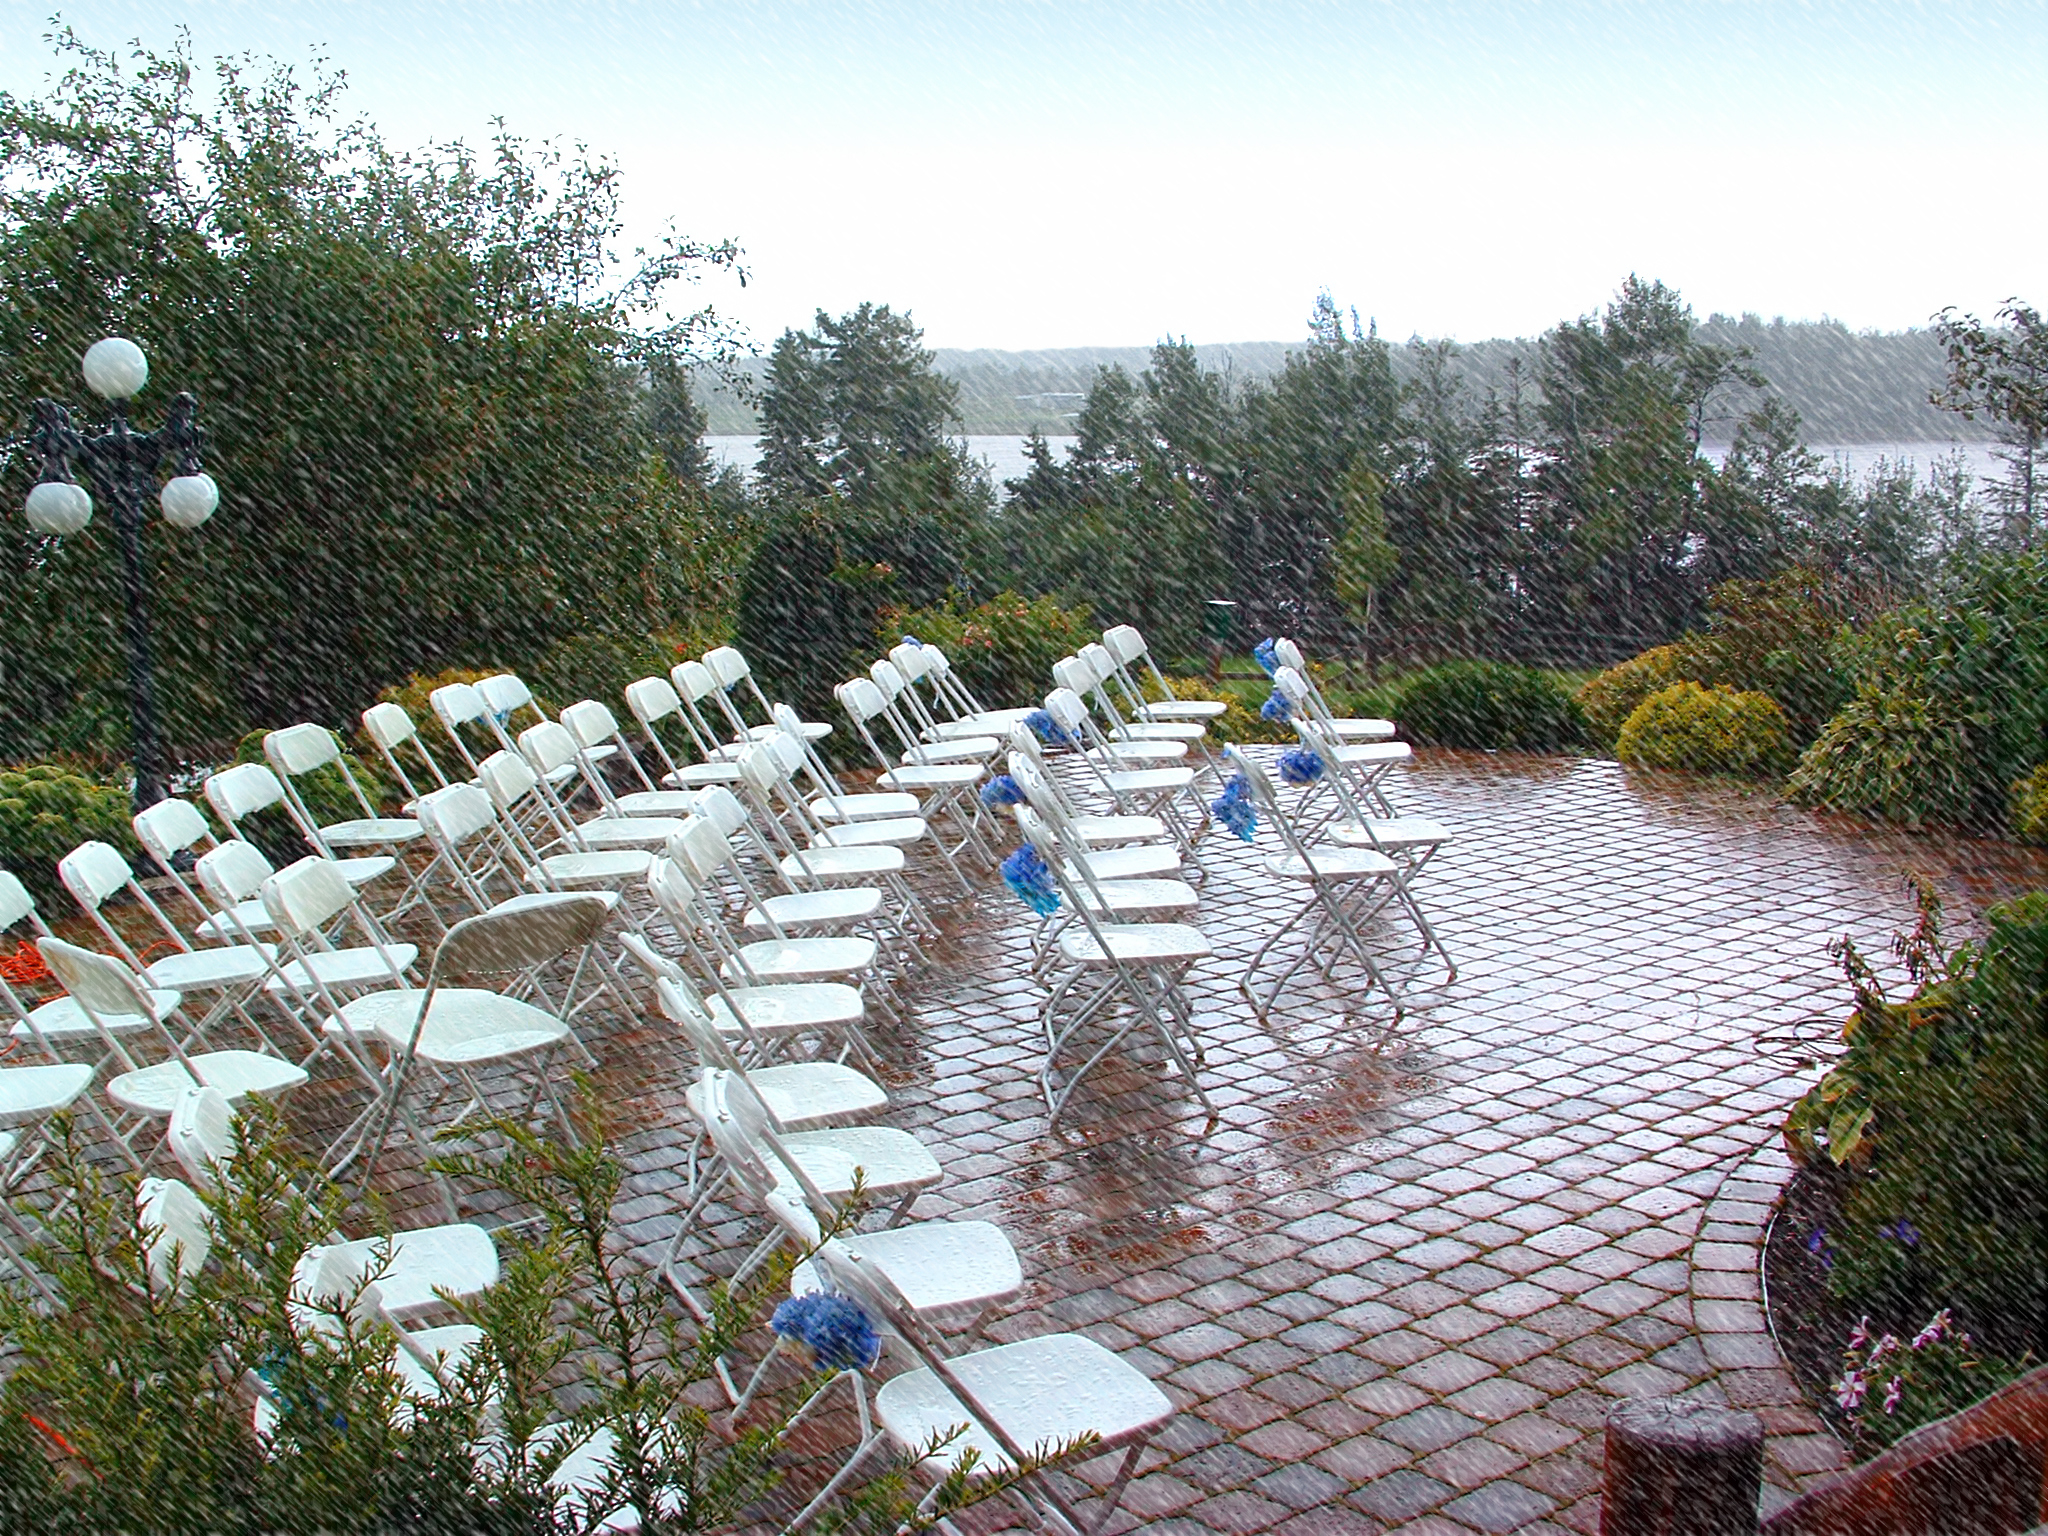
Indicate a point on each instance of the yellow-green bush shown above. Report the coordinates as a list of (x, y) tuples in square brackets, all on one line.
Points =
[(1715, 730), (2029, 807), (46, 810), (1889, 752), (1240, 721), (1609, 699)]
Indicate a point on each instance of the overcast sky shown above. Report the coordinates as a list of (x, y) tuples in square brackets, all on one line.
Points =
[(1043, 175)]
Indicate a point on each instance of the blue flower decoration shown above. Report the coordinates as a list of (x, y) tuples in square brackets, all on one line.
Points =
[(270, 1368), (1276, 708), (913, 640), (1267, 656), (1024, 872), (1817, 1245), (1047, 729), (1299, 766), (1000, 791), (837, 1332), (1902, 1232), (1234, 809)]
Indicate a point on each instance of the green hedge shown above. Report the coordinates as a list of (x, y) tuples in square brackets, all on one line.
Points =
[(1488, 705)]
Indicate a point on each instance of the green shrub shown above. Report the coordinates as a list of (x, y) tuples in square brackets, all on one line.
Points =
[(1780, 637), (1932, 1118), (803, 627), (1609, 699), (1889, 753), (2029, 807), (1487, 704), (1713, 730), (46, 810), (1004, 647)]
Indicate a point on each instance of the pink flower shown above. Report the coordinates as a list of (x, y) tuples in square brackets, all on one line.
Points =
[(1850, 1389), (1885, 1346), (1937, 1325), (1894, 1390), (1860, 1335)]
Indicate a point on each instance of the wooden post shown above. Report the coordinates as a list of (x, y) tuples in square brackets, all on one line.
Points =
[(1676, 1467)]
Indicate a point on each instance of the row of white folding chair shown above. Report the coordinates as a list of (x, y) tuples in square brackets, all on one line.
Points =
[(299, 750), (1165, 789), (1346, 728), (954, 711), (1360, 765), (947, 777), (1093, 674), (245, 790), (1126, 649)]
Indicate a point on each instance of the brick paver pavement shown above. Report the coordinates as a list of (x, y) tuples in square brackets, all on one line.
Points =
[(1399, 1281)]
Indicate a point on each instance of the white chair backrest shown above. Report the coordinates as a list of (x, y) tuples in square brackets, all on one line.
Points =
[(389, 725), (861, 699), (304, 897), (1067, 711), (530, 934), (506, 777), (694, 681), (679, 1006), (15, 901), (1124, 643), (723, 807), (300, 749), (202, 1134), (180, 1235), (761, 768), (674, 889), (1290, 655), (505, 694), (243, 790), (456, 704), (888, 677), (547, 746), (92, 872), (233, 872), (1072, 673), (702, 846), (751, 1163), (1098, 660), (728, 666), (590, 723), (651, 699), (170, 827), (102, 985), (911, 662), (788, 750), (454, 815)]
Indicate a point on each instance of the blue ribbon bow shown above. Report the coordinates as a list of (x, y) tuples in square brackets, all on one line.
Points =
[(1000, 791), (1267, 656), (1234, 808), (1276, 708), (1047, 729), (1300, 766), (837, 1332)]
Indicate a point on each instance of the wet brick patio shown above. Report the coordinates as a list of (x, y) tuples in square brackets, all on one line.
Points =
[(1396, 1286)]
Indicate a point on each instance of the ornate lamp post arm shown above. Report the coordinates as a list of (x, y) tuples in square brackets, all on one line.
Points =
[(122, 465)]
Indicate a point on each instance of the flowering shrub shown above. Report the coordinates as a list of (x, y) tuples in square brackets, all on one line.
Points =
[(1893, 753), (1888, 1388), (2028, 807), (1004, 647), (1488, 705)]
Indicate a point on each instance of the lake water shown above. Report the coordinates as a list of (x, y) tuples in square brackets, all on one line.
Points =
[(1005, 455)]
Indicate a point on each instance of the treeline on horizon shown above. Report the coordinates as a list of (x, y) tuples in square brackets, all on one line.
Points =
[(1847, 386)]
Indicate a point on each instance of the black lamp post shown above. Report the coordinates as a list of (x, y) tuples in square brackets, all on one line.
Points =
[(122, 465)]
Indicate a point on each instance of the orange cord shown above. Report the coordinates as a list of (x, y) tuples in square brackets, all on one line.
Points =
[(25, 966)]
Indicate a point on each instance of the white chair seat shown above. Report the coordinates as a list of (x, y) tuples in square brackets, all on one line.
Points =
[(859, 834), (62, 1018), (345, 968), (949, 1271), (1363, 729), (237, 1074), (915, 776), (1136, 943), (458, 1257), (1329, 864), (606, 833), (830, 864), (1122, 898), (371, 832), (847, 904), (30, 1094), (883, 1158), (959, 749), (703, 775), (1397, 832), (466, 1027), (1183, 709), (1121, 754), (863, 807), (990, 722), (807, 1095), (1138, 781), (360, 872), (611, 899), (1160, 730), (221, 928), (781, 960), (597, 754), (604, 870), (657, 802), (1133, 863), (208, 970), (1042, 1391), (1370, 752), (1119, 829), (787, 1008)]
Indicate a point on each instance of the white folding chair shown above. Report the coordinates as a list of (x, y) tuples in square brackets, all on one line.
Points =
[(944, 738), (239, 792), (798, 1095), (29, 1098), (948, 788), (594, 726), (1362, 728), (959, 712), (175, 833), (461, 1031), (60, 1025), (1105, 741), (1138, 964), (504, 696), (696, 686), (774, 761), (1346, 887), (391, 727), (1360, 765), (731, 670), (298, 750), (653, 700), (706, 849), (1127, 648), (1016, 1401), (549, 747), (457, 705), (1165, 791)]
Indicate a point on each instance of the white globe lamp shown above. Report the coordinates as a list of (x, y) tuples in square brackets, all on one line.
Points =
[(57, 508), (116, 369), (189, 500)]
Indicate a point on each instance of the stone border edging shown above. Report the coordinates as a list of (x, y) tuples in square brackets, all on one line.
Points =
[(1726, 1275)]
